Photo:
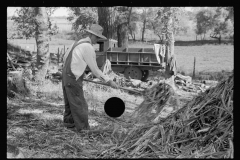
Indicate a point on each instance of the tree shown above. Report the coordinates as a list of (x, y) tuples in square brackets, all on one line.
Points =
[(161, 23), (106, 19), (147, 13), (122, 22), (82, 17), (204, 19), (42, 41), (169, 17), (133, 26), (25, 21), (217, 20), (35, 22), (222, 23)]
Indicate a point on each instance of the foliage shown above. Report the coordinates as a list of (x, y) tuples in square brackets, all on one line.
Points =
[(223, 24), (82, 17), (204, 21), (25, 21), (218, 20), (161, 24), (55, 29), (123, 14)]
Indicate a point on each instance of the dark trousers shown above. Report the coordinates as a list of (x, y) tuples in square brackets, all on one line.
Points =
[(76, 108)]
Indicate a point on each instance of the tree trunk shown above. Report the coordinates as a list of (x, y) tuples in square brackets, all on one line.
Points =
[(160, 37), (220, 39), (131, 33), (171, 69), (103, 19), (122, 34), (42, 41), (143, 31), (196, 38), (134, 37)]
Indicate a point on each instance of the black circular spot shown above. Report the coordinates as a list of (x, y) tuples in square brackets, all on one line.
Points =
[(114, 107)]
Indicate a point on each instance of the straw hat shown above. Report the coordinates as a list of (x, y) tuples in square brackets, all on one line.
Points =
[(96, 30)]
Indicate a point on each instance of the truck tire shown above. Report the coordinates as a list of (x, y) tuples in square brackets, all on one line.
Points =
[(145, 74), (133, 72)]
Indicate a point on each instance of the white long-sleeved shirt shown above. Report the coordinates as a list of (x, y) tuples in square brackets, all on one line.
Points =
[(83, 55)]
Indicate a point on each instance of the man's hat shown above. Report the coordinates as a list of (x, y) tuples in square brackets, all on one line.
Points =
[(96, 30)]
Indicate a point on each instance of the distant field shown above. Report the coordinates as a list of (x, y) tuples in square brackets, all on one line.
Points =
[(209, 58)]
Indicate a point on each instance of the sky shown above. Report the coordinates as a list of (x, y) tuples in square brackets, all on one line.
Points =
[(62, 11)]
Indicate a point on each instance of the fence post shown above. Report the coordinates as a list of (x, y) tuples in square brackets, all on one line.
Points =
[(194, 64), (58, 54)]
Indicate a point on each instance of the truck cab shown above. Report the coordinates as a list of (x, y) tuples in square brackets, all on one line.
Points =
[(103, 46)]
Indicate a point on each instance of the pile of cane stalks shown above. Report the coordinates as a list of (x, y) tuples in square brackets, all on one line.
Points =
[(203, 128), (155, 98)]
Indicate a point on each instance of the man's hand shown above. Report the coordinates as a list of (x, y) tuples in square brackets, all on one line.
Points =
[(113, 84)]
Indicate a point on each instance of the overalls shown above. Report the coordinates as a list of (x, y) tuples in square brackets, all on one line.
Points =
[(76, 108)]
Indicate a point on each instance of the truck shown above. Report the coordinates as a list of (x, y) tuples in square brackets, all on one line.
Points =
[(132, 62)]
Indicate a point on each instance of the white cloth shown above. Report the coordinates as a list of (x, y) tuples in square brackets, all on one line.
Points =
[(162, 53), (83, 55), (157, 48)]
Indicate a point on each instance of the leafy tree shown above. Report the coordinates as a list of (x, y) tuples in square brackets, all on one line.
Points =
[(166, 20), (35, 22), (204, 19), (112, 19), (82, 17), (222, 23), (25, 21), (217, 20), (122, 21)]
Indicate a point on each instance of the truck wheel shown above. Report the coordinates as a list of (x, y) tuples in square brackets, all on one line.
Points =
[(133, 72), (145, 74)]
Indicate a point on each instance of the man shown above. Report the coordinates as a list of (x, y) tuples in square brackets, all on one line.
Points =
[(79, 55)]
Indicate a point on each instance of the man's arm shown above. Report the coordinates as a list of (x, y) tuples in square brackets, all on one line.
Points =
[(89, 57)]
